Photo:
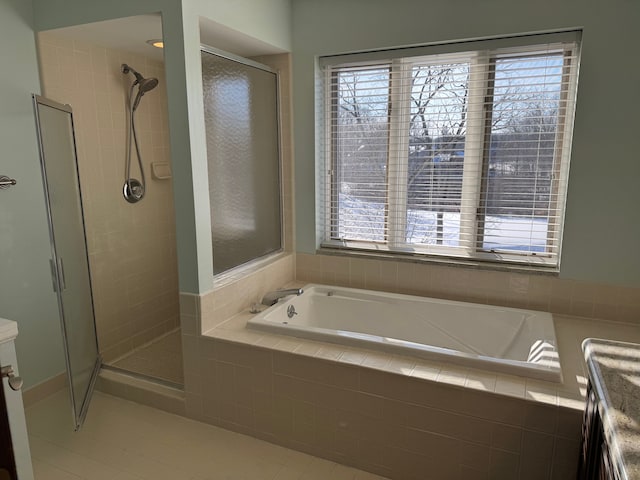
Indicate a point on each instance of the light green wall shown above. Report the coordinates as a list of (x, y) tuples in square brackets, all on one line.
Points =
[(264, 20), (26, 293), (602, 229)]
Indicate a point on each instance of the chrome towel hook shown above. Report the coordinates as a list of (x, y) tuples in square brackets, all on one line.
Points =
[(6, 182)]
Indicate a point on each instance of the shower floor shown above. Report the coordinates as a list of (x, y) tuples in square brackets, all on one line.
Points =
[(161, 358)]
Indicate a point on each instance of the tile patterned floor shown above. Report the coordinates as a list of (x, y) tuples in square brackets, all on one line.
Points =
[(122, 440), (161, 359)]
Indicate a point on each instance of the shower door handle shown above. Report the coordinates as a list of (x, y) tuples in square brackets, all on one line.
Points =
[(63, 280), (54, 277), (57, 272)]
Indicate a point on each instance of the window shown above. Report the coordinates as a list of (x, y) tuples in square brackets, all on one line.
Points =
[(450, 151)]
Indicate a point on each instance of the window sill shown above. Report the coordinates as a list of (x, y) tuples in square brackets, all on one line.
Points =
[(438, 260), (232, 275)]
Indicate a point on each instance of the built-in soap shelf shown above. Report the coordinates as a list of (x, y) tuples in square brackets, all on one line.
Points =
[(161, 170)]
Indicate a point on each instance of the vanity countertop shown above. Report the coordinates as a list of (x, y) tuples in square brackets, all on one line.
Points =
[(8, 330), (614, 371)]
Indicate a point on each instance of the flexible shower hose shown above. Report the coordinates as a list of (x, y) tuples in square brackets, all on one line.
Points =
[(134, 135)]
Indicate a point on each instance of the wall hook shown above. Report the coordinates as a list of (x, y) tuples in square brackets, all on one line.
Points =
[(6, 182)]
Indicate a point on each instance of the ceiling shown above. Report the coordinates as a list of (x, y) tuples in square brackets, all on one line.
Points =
[(131, 34)]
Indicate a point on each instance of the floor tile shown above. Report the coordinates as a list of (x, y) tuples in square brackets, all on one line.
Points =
[(123, 440)]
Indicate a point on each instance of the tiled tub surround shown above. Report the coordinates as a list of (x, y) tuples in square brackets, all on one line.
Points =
[(131, 248), (237, 291), (396, 416)]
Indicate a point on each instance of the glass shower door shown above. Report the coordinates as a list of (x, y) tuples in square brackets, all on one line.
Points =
[(69, 259), (243, 157)]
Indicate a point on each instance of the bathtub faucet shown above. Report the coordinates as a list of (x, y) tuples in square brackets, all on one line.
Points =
[(271, 298)]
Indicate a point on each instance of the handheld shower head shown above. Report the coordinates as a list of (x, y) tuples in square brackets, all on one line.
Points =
[(144, 84)]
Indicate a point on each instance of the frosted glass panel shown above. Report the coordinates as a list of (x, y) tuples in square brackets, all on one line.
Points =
[(241, 117), (69, 250)]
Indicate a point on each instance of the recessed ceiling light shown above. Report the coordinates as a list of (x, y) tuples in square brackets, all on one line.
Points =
[(158, 43)]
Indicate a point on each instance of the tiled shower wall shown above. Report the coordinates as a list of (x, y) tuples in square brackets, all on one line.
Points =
[(132, 247), (519, 290)]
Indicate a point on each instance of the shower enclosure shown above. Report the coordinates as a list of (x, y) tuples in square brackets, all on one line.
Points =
[(131, 246)]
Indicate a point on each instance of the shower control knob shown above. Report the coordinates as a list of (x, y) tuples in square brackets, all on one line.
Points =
[(15, 382)]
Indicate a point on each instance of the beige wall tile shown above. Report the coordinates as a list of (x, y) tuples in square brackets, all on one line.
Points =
[(244, 288), (506, 437), (384, 422), (541, 418), (510, 385), (503, 465), (132, 251), (475, 456), (565, 453)]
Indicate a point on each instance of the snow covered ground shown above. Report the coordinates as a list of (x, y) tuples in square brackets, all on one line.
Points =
[(501, 232)]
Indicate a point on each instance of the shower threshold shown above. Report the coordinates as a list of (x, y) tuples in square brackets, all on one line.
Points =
[(158, 361), (142, 376)]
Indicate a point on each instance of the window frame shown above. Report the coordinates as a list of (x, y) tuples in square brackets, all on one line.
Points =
[(481, 82)]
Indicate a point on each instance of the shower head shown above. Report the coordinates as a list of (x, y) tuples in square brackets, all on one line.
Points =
[(145, 84), (143, 87)]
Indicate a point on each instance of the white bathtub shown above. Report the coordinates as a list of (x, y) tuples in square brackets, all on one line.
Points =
[(505, 340)]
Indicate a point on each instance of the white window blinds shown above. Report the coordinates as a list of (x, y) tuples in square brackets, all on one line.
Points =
[(460, 154)]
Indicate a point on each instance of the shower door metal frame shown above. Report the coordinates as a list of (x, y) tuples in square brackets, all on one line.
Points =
[(260, 66), (56, 265)]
